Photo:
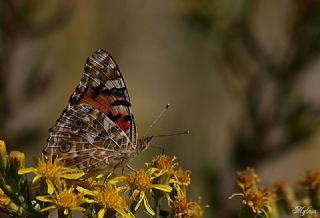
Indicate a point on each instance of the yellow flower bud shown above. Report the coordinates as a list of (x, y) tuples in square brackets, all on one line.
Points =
[(3, 150), (3, 155), (16, 159)]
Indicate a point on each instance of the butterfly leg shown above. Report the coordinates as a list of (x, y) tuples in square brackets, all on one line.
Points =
[(109, 174), (130, 168), (107, 177)]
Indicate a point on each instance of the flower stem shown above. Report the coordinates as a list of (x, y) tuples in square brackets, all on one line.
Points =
[(157, 207), (315, 201), (17, 206)]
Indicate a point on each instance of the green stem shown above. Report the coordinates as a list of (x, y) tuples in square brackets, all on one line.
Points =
[(157, 207), (315, 200), (18, 207)]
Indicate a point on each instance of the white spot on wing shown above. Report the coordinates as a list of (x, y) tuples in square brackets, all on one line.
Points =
[(106, 123), (113, 83), (86, 118), (95, 83), (112, 66), (89, 138)]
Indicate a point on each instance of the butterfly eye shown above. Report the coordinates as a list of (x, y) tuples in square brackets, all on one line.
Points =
[(65, 147), (78, 123)]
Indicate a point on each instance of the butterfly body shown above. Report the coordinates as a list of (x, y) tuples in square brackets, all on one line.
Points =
[(97, 129)]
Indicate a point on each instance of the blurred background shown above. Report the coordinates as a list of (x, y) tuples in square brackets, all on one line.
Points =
[(242, 76)]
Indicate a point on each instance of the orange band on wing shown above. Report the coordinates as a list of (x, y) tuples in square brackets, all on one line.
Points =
[(103, 103), (99, 102)]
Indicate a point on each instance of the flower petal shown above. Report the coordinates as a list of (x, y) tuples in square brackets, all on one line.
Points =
[(99, 176), (142, 195), (101, 213), (65, 211), (26, 170), (147, 206), (135, 193), (87, 200), (85, 191), (78, 208), (72, 176), (48, 208), (124, 214), (45, 198), (161, 187), (36, 178), (118, 179), (50, 186)]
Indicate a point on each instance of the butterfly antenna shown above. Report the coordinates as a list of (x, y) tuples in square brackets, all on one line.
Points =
[(173, 134), (157, 119)]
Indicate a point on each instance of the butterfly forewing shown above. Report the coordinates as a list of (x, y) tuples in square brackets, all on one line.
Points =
[(103, 86)]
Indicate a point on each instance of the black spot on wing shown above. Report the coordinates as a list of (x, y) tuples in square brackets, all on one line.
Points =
[(117, 117), (73, 100), (127, 118), (121, 102), (97, 90), (118, 92), (78, 94), (112, 117)]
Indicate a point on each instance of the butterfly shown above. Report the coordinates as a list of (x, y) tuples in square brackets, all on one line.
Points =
[(97, 130)]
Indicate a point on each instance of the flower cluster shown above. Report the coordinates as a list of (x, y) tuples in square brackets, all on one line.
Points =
[(57, 187), (265, 203), (311, 180), (256, 201)]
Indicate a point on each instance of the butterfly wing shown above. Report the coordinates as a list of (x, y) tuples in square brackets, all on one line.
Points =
[(85, 138), (103, 89)]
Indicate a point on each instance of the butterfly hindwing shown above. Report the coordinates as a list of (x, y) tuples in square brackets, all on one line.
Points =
[(86, 138)]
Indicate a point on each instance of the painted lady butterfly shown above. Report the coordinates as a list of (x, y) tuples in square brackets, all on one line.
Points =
[(97, 129)]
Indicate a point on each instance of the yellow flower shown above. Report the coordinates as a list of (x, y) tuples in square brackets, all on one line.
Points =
[(247, 178), (111, 201), (311, 180), (89, 183), (65, 199), (194, 210), (139, 182), (180, 179), (162, 164), (258, 200), (52, 171), (181, 208), (285, 193)]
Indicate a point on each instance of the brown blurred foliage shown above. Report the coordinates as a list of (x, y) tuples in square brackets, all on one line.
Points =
[(22, 22)]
